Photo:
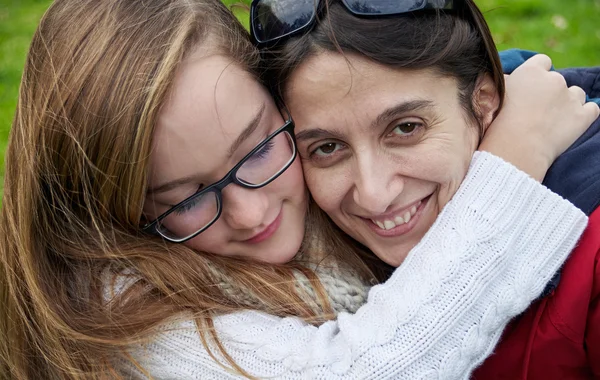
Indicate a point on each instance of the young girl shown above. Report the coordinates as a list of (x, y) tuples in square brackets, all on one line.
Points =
[(154, 210), (388, 113)]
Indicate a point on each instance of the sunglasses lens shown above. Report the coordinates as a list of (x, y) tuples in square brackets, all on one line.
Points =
[(272, 19), (390, 7)]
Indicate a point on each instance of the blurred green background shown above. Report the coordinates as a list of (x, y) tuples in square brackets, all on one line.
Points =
[(567, 30)]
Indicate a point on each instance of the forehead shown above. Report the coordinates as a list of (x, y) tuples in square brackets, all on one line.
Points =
[(329, 81), (210, 103)]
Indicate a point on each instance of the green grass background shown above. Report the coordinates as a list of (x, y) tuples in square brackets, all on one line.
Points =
[(567, 30)]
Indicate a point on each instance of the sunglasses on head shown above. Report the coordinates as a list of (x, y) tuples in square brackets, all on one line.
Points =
[(274, 20)]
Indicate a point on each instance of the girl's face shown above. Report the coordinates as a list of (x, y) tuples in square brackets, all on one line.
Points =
[(382, 150), (215, 114)]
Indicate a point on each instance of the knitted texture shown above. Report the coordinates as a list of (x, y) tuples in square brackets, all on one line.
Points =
[(346, 290), (489, 254)]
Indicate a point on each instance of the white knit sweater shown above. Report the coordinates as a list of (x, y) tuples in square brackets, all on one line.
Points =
[(487, 257)]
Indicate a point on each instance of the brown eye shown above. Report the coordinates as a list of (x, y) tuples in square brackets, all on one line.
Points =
[(405, 129), (326, 150)]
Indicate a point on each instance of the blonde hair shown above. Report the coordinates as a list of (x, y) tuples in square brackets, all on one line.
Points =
[(76, 172)]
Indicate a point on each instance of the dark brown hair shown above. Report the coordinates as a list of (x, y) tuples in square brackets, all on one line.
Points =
[(95, 78), (456, 43)]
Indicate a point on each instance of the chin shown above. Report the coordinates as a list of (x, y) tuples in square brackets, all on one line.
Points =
[(280, 251), (277, 256), (395, 255), (282, 259), (397, 259)]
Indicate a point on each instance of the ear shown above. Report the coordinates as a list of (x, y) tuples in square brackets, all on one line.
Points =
[(486, 100)]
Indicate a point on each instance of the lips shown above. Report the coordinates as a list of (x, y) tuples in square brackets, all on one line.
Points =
[(267, 232), (399, 222), (397, 219)]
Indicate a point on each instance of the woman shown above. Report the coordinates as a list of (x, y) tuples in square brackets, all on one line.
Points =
[(386, 126), (94, 172)]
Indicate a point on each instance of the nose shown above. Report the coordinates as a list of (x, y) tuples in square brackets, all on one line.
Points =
[(377, 184), (244, 208)]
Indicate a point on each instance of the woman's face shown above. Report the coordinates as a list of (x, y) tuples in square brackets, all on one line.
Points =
[(215, 114), (382, 150)]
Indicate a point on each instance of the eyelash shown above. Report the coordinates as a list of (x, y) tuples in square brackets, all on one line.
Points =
[(418, 127), (315, 156), (261, 153), (188, 206), (264, 151)]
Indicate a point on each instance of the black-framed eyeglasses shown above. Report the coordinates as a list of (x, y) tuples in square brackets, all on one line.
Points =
[(275, 20), (267, 161)]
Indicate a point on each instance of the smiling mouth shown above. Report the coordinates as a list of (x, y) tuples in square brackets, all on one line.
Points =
[(398, 223), (267, 232), (401, 218)]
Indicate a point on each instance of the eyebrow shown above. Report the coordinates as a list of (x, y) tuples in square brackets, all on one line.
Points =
[(398, 109), (318, 133), (247, 132), (170, 185)]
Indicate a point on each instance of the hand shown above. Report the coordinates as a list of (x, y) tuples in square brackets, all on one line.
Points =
[(540, 119)]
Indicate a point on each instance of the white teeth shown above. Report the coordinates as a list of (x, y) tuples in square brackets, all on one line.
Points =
[(386, 224), (407, 217), (389, 224)]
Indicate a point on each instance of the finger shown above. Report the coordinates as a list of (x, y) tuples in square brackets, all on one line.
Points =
[(593, 110), (557, 78), (578, 93), (541, 60)]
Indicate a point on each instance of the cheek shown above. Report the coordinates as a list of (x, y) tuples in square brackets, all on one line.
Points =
[(327, 189), (462, 154), (294, 175), (290, 184), (211, 240), (442, 159)]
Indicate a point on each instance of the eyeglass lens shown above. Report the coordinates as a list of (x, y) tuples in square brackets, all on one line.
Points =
[(273, 19), (383, 6), (259, 168), (266, 163), (190, 217), (276, 18)]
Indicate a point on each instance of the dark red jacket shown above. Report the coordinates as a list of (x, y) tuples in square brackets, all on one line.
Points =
[(558, 337)]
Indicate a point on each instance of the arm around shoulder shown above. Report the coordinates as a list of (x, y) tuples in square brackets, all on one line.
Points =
[(488, 255)]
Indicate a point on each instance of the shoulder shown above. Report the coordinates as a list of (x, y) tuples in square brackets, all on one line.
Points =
[(592, 236), (587, 252), (572, 301), (581, 273), (590, 240), (588, 78), (594, 222), (575, 175)]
